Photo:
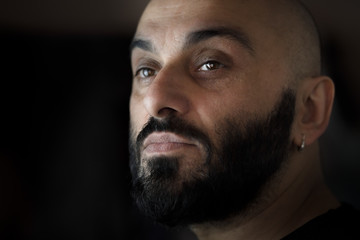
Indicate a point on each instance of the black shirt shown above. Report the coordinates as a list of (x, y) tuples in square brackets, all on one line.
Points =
[(340, 223)]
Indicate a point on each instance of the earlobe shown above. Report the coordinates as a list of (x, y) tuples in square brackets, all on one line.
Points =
[(315, 106)]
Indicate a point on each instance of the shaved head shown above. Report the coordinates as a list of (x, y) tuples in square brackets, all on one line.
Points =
[(297, 27), (288, 23)]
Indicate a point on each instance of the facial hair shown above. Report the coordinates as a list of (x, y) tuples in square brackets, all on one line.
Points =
[(232, 176)]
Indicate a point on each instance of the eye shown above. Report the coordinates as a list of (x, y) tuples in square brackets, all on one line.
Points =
[(210, 66), (145, 72)]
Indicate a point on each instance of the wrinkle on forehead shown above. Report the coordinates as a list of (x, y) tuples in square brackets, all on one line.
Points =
[(159, 10), (176, 19)]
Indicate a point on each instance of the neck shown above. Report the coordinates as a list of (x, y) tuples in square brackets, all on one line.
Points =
[(298, 195)]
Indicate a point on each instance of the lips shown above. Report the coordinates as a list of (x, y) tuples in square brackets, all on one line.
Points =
[(164, 142)]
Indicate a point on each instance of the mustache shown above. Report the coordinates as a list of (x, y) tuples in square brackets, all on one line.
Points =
[(173, 125)]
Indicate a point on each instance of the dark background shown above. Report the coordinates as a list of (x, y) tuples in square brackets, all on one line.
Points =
[(65, 81)]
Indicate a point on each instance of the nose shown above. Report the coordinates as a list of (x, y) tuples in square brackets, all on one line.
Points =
[(167, 94)]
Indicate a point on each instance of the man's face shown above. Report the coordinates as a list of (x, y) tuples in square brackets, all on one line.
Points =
[(210, 109)]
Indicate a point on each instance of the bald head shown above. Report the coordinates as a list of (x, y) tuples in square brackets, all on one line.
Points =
[(300, 35), (281, 29)]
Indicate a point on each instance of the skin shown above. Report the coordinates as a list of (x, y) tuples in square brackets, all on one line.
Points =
[(175, 77)]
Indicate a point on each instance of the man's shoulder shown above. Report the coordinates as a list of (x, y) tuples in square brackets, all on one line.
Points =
[(340, 223)]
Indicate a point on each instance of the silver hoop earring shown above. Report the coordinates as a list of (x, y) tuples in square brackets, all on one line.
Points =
[(302, 146)]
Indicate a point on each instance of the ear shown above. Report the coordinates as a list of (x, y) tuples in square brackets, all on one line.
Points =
[(313, 108)]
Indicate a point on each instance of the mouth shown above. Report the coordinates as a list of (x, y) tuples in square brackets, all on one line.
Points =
[(165, 142)]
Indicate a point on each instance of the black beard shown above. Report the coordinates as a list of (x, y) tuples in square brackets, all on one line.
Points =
[(232, 177)]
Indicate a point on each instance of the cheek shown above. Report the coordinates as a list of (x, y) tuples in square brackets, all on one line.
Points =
[(138, 115), (214, 110)]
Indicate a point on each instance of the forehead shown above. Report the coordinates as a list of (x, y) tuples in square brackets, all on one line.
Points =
[(159, 10), (174, 19)]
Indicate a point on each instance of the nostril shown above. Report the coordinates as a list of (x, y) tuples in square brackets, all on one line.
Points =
[(166, 112)]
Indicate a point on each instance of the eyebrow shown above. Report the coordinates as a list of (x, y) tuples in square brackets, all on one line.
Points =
[(232, 34), (200, 36), (142, 44)]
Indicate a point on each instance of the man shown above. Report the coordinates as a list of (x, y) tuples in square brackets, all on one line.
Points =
[(226, 109)]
